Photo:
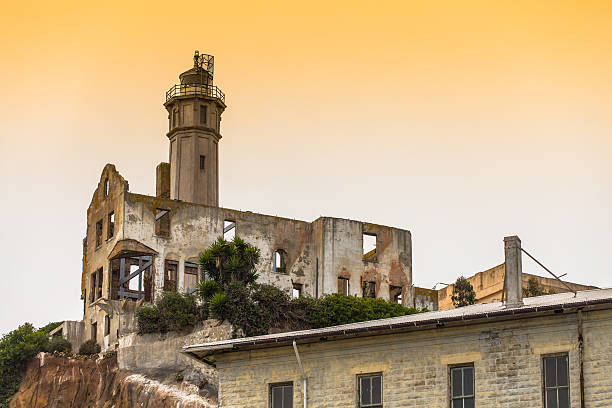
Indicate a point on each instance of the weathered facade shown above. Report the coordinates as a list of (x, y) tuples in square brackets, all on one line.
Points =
[(139, 246)]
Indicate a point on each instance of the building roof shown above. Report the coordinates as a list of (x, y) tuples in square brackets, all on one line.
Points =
[(479, 313)]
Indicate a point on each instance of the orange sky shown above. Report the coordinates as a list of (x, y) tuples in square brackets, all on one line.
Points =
[(462, 121)]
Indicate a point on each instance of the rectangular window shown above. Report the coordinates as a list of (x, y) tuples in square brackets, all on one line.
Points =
[(191, 276), (170, 274), (343, 286), (297, 291), (370, 391), (162, 223), (369, 247), (202, 162), (98, 233), (281, 395), (229, 230), (369, 289), (111, 225), (462, 386), (94, 332), (106, 187), (202, 114), (556, 381), (106, 325)]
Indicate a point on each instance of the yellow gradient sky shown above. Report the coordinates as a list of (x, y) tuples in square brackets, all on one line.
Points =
[(462, 121)]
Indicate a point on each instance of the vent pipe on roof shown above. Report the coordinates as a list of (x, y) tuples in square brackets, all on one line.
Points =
[(513, 282)]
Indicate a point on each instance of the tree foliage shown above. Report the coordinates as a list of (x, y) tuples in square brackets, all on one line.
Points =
[(16, 348), (230, 261), (463, 293), (534, 288), (89, 347)]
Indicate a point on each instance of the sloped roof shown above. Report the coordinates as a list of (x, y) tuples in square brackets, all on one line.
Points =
[(463, 315)]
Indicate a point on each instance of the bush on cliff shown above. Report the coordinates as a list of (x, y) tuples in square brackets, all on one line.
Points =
[(89, 348), (59, 344), (16, 348), (172, 311)]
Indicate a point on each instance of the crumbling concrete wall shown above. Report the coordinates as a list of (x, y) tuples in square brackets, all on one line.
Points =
[(159, 355), (73, 331), (423, 298)]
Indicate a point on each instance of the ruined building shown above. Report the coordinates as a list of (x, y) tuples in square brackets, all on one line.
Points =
[(139, 246)]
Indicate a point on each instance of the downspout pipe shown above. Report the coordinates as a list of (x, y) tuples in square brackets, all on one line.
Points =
[(581, 355), (297, 356)]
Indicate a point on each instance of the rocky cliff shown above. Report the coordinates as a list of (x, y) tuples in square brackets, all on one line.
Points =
[(54, 382)]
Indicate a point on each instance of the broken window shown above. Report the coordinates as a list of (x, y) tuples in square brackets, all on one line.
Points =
[(106, 187), (111, 225), (96, 285), (279, 261), (162, 223), (556, 381), (170, 274), (202, 162), (133, 284), (98, 233), (281, 395), (94, 331), (191, 276), (395, 294), (462, 386), (202, 114), (229, 230), (370, 391), (343, 286), (369, 247), (369, 289), (297, 291), (106, 325)]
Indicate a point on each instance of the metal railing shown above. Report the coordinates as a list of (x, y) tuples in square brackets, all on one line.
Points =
[(211, 91)]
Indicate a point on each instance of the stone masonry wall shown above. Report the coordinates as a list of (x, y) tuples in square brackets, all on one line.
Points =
[(507, 358)]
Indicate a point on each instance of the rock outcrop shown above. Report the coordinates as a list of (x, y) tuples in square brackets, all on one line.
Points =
[(55, 382)]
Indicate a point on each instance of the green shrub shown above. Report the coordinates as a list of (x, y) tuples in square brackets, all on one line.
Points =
[(217, 305), (90, 347), (59, 344), (172, 312), (207, 288), (149, 321), (16, 348)]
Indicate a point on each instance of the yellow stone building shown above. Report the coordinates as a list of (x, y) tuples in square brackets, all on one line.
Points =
[(489, 285)]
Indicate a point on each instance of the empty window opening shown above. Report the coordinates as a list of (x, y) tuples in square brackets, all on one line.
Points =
[(343, 286), (369, 247), (106, 187), (202, 162), (111, 225), (395, 294), (297, 291), (369, 289), (170, 274), (191, 276), (162, 223), (96, 285), (281, 395), (133, 283), (202, 114), (106, 325), (279, 261), (556, 381), (229, 230), (94, 331), (370, 391), (98, 233), (462, 386)]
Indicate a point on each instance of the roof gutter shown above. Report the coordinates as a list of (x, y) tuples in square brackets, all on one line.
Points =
[(439, 322)]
